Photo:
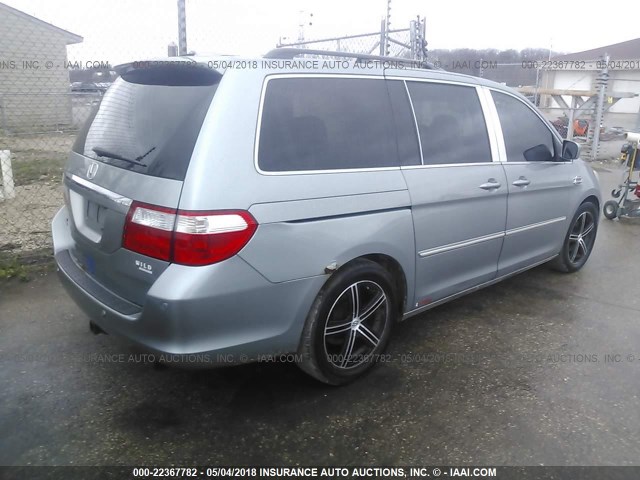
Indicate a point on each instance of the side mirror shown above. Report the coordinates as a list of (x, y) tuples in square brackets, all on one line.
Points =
[(570, 150)]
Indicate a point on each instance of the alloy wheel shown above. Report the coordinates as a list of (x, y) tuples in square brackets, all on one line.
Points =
[(581, 237), (355, 324)]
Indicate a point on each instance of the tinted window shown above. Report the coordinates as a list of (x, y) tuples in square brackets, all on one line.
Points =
[(451, 124), (326, 123), (148, 121), (526, 137)]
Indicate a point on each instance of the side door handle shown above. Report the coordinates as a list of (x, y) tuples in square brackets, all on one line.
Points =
[(491, 184), (522, 182)]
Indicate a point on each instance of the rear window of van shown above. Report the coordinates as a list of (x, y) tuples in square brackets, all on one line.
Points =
[(148, 121)]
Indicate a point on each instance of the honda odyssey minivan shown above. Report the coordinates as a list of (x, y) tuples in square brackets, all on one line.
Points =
[(271, 209)]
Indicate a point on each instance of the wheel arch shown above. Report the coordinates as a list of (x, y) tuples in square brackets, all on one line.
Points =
[(394, 268), (592, 199)]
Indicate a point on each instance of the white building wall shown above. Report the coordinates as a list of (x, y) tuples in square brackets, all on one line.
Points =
[(625, 81), (619, 81)]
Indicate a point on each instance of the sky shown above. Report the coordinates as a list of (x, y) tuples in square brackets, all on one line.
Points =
[(118, 31)]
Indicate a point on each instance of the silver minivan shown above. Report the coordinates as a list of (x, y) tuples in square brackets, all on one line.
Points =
[(234, 210)]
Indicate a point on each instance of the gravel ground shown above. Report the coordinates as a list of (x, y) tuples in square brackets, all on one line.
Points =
[(37, 162), (28, 218)]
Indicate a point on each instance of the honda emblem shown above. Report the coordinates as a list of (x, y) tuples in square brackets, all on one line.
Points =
[(92, 170)]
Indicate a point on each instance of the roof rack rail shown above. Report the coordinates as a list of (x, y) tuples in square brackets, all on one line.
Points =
[(290, 53)]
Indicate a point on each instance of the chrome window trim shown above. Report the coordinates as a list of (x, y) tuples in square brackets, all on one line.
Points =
[(494, 119), (415, 122), (534, 163), (256, 144), (432, 80), (489, 121), (446, 165), (532, 108), (113, 196)]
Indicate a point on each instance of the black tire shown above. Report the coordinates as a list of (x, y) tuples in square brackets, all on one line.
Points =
[(337, 345), (579, 241), (610, 209)]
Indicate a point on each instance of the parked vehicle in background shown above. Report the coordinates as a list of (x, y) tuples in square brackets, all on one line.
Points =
[(89, 87), (274, 209)]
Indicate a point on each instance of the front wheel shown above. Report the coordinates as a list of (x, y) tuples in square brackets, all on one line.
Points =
[(610, 209), (349, 323), (580, 239)]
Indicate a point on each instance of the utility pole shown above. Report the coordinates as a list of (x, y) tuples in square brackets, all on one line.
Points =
[(302, 23), (387, 28), (182, 28), (418, 42), (601, 83)]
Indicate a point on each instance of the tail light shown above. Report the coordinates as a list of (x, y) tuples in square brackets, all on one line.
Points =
[(149, 230), (187, 237)]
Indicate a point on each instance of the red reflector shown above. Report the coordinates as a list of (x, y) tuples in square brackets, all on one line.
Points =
[(187, 237)]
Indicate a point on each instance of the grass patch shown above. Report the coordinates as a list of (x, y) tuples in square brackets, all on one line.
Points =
[(26, 172), (24, 267)]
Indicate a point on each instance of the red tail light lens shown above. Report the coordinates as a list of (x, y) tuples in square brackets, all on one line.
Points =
[(149, 230), (202, 238), (187, 237)]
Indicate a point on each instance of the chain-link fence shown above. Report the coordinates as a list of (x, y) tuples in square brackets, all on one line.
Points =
[(47, 91), (41, 109), (395, 43)]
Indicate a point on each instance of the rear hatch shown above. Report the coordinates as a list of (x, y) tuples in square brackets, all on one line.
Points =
[(134, 151)]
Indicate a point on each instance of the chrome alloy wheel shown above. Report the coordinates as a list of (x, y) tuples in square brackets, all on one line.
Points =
[(582, 237), (355, 324)]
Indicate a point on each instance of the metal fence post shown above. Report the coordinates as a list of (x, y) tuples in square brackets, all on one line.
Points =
[(602, 87), (572, 114), (7, 174), (182, 28), (3, 117)]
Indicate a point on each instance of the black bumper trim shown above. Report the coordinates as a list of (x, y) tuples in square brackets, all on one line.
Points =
[(93, 288)]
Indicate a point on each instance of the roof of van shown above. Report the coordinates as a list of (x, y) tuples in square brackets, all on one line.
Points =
[(371, 65)]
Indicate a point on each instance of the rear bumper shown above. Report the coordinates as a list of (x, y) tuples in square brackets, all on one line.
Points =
[(225, 313)]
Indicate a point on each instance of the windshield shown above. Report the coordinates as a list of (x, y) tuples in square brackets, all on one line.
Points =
[(149, 120)]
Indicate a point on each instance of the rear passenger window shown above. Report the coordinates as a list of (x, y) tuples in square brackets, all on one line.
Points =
[(450, 123), (526, 137), (326, 123)]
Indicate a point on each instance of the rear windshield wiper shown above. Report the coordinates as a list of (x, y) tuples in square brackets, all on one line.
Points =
[(101, 152)]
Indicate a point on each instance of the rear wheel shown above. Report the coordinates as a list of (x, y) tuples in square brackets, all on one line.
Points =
[(349, 323), (580, 239)]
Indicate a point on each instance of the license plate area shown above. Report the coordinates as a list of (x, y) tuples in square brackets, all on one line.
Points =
[(86, 216), (95, 216)]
